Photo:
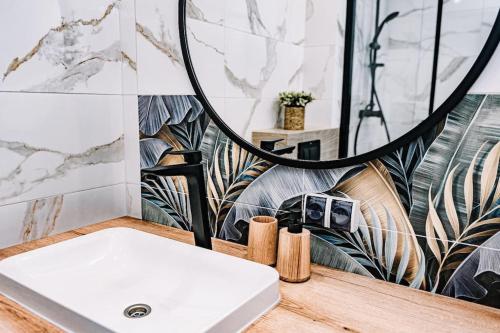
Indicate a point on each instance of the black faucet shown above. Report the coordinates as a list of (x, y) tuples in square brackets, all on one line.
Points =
[(192, 169), (269, 146)]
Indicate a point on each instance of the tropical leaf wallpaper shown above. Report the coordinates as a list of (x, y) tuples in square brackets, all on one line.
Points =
[(430, 210)]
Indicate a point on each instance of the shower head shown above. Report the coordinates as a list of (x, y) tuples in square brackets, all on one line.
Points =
[(388, 18)]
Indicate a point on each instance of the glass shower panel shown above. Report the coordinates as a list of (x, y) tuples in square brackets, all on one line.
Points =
[(404, 48)]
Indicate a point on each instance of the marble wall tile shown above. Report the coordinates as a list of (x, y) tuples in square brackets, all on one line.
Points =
[(206, 46), (250, 61), (324, 20), (131, 138), (295, 22), (133, 203), (459, 47), (131, 155), (26, 221), (68, 46), (160, 67), (128, 46), (208, 11), (257, 17), (59, 143), (322, 113), (320, 70)]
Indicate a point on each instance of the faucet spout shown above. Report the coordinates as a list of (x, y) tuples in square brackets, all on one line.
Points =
[(193, 171)]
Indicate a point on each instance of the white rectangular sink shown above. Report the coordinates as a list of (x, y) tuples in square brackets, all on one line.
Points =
[(86, 283)]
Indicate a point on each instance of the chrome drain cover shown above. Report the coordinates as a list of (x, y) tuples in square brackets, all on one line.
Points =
[(137, 311)]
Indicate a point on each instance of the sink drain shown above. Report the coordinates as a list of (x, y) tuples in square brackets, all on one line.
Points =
[(137, 311)]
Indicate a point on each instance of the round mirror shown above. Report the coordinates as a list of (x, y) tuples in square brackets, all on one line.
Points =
[(308, 82)]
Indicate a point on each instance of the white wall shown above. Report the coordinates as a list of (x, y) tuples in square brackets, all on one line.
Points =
[(489, 81), (68, 126)]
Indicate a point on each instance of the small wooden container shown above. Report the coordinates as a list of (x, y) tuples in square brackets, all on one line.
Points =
[(294, 118), (263, 240), (294, 256)]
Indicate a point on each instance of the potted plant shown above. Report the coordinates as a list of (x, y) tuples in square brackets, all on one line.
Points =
[(294, 103)]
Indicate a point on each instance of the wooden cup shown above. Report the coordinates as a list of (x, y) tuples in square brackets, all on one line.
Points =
[(263, 240)]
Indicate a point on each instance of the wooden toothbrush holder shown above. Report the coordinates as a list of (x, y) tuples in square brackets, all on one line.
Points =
[(263, 240)]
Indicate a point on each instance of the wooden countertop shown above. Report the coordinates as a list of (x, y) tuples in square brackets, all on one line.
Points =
[(331, 301)]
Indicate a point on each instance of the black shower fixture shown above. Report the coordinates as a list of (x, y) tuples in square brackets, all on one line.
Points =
[(370, 110)]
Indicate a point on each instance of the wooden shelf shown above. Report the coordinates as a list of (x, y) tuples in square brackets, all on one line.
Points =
[(329, 139)]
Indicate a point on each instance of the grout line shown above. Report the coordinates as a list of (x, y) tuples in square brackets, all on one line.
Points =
[(67, 93), (371, 227), (58, 194)]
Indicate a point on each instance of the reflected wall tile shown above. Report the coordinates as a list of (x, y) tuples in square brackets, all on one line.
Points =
[(460, 33), (464, 5), (320, 71), (208, 11), (160, 67), (40, 218), (206, 45), (244, 53), (237, 113), (321, 114), (258, 17), (323, 19), (69, 46), (287, 72), (295, 22), (258, 67), (59, 144)]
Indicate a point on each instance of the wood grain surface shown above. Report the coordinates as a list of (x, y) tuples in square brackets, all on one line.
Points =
[(330, 301)]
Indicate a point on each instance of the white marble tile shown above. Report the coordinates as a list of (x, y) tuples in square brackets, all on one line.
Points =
[(68, 46), (324, 17), (133, 199), (206, 46), (131, 139), (258, 17), (128, 46), (39, 218), (208, 11), (321, 113), (249, 61), (287, 71), (160, 66), (296, 22), (265, 116), (59, 143), (465, 5), (461, 42), (246, 114), (259, 67), (237, 114), (320, 71)]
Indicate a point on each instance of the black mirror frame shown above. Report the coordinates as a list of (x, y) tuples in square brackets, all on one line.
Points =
[(448, 105)]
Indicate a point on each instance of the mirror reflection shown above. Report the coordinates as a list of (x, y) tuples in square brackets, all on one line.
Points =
[(287, 75)]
